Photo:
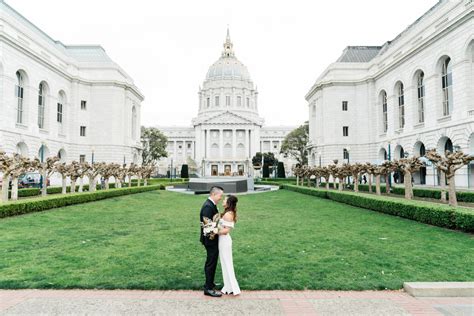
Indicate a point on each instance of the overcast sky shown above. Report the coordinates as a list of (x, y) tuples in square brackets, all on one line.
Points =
[(168, 46)]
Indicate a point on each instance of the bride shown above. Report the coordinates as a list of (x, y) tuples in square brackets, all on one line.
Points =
[(227, 221)]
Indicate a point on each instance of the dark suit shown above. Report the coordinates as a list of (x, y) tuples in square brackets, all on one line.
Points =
[(208, 210)]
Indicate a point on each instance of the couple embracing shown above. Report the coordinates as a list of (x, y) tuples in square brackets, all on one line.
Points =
[(219, 244)]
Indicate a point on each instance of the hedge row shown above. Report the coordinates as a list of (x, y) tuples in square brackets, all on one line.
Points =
[(429, 213), (57, 190), (41, 204), (467, 197)]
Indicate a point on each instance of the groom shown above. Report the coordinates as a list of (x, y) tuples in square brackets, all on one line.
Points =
[(209, 209)]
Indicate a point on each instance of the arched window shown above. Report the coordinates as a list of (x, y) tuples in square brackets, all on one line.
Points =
[(19, 91), (41, 104), (401, 105), (384, 111), (448, 146), (134, 123), (447, 86), (421, 96)]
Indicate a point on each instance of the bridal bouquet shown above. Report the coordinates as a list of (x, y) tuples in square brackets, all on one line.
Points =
[(210, 227)]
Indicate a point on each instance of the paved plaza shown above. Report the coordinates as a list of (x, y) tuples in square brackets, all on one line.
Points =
[(138, 302)]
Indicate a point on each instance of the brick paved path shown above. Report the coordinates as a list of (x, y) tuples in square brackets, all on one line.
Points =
[(134, 302)]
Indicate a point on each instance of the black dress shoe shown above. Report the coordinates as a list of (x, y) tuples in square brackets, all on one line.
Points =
[(212, 293)]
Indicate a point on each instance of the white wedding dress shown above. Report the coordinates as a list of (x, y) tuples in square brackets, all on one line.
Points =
[(227, 264)]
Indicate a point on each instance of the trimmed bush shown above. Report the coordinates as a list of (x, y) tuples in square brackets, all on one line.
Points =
[(266, 171), (425, 212), (41, 204), (184, 171), (281, 174)]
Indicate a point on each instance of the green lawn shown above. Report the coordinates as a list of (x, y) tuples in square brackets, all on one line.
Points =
[(283, 240)]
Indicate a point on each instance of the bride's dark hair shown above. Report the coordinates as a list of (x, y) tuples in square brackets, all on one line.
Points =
[(231, 206)]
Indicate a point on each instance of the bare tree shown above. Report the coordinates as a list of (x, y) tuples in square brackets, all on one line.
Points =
[(408, 166), (74, 173), (20, 165), (333, 169), (388, 166), (63, 170), (46, 169), (325, 173), (355, 170), (370, 170), (449, 164), (377, 171), (6, 165)]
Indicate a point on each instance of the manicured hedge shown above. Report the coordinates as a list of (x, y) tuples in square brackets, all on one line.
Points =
[(425, 212), (41, 204)]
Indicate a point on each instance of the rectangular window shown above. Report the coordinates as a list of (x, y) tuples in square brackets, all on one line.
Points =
[(239, 101), (345, 131), (248, 102), (82, 158), (217, 101), (208, 102), (344, 105), (227, 100), (189, 146), (83, 131), (83, 105), (59, 116)]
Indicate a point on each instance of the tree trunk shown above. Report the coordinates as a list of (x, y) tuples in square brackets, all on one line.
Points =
[(73, 185), (129, 181), (5, 187), (387, 183), (145, 182), (44, 190), (370, 182), (316, 182), (118, 183), (138, 181), (309, 182), (297, 180), (377, 185), (14, 188), (81, 184), (408, 185), (107, 183), (442, 180), (356, 182), (341, 184), (327, 183), (63, 182), (453, 201)]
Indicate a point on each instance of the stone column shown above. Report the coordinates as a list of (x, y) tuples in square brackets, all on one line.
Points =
[(234, 143), (221, 143), (246, 142)]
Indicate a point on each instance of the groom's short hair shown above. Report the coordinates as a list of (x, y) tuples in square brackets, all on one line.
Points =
[(216, 189)]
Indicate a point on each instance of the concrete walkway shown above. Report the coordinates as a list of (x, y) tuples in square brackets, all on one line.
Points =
[(135, 302)]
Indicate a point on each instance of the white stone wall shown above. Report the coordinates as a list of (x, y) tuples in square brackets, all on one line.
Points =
[(91, 76), (447, 30)]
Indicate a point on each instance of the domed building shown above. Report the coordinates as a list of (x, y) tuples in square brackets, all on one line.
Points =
[(228, 130)]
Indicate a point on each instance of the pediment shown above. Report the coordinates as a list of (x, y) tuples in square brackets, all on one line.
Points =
[(227, 118)]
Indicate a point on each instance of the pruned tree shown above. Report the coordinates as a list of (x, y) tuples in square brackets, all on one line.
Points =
[(108, 171), (20, 165), (95, 169), (408, 166), (342, 172), (120, 175), (63, 170), (449, 164), (131, 171), (6, 165), (355, 171), (333, 170), (388, 167), (74, 174), (146, 173), (84, 167), (378, 171), (46, 169), (370, 170), (325, 173)]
